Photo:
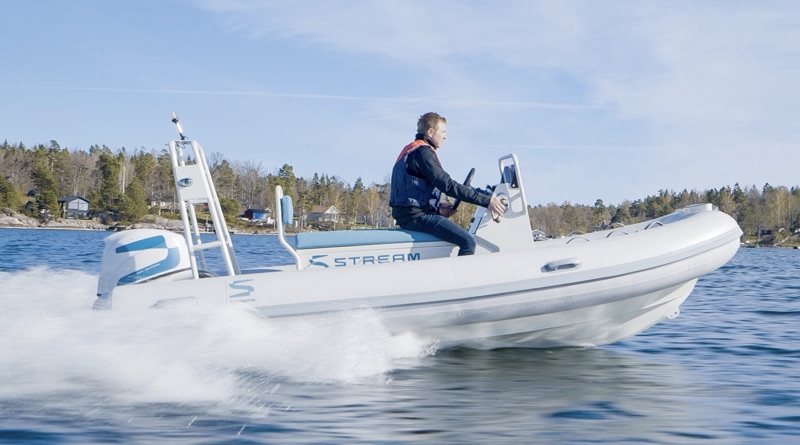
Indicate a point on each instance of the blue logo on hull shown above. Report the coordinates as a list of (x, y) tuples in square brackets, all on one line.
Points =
[(237, 285), (365, 259), (313, 261)]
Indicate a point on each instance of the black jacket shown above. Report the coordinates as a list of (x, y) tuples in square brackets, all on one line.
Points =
[(423, 163)]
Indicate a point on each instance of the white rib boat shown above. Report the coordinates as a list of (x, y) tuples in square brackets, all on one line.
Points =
[(584, 290)]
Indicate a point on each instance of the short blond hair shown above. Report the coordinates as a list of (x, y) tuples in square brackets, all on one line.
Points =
[(428, 121)]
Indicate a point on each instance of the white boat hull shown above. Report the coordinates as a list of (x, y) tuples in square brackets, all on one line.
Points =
[(623, 285)]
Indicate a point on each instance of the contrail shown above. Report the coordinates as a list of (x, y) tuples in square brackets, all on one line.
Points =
[(568, 147), (538, 105)]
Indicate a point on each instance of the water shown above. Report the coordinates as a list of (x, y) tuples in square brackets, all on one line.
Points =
[(725, 371)]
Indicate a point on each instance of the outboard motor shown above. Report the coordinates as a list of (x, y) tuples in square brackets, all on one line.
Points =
[(140, 255)]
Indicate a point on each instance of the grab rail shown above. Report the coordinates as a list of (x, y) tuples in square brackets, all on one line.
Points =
[(284, 215), (578, 237), (653, 224), (563, 264)]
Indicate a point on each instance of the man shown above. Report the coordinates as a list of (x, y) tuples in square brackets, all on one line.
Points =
[(417, 181)]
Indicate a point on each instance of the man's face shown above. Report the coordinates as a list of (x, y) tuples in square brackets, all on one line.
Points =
[(438, 134)]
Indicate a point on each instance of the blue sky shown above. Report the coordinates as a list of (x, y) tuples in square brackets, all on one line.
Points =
[(608, 100)]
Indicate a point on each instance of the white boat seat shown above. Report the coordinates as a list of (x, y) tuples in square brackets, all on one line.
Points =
[(364, 237)]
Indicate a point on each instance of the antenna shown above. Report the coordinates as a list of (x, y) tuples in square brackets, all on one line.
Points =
[(177, 123)]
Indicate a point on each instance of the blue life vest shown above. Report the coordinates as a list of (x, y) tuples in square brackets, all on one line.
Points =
[(408, 190)]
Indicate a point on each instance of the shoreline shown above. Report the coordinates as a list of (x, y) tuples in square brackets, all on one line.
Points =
[(78, 227), (98, 227), (60, 227)]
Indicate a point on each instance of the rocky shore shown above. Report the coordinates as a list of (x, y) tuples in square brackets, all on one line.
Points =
[(10, 218)]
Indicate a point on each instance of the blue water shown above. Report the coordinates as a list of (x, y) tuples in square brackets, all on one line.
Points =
[(725, 371)]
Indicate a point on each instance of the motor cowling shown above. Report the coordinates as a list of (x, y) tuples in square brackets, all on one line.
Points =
[(134, 256)]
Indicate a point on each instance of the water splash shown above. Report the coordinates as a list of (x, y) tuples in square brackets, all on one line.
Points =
[(52, 343)]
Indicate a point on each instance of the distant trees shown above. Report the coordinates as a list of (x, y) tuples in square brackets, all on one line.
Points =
[(771, 207), (121, 185)]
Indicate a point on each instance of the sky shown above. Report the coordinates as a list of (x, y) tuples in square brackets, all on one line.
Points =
[(613, 100)]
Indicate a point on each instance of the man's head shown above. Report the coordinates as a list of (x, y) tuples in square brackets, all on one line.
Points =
[(434, 127)]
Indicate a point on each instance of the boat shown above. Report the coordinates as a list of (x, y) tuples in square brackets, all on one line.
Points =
[(518, 290)]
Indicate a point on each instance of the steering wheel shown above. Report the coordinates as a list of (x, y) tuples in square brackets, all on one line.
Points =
[(467, 182)]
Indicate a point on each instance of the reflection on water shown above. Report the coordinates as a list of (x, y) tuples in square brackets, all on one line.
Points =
[(551, 395)]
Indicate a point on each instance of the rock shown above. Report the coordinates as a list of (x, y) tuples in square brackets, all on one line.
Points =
[(145, 225), (158, 222), (9, 218), (10, 221), (61, 225)]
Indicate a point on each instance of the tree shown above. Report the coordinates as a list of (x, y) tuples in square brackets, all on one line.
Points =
[(107, 198), (305, 199), (286, 179), (755, 203), (230, 209), (13, 162), (622, 215), (549, 219), (144, 166), (778, 205), (8, 195), (726, 203), (45, 184), (374, 205), (251, 185), (164, 182), (135, 201), (77, 174), (224, 179), (599, 213), (358, 206)]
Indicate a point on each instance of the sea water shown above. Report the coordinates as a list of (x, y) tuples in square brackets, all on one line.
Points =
[(724, 371)]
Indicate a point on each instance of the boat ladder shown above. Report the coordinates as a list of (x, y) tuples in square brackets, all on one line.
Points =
[(194, 186)]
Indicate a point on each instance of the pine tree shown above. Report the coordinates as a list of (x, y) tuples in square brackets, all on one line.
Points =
[(45, 185), (8, 195), (135, 201), (108, 197)]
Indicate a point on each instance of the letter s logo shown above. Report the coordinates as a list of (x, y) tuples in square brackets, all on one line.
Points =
[(237, 285), (316, 261)]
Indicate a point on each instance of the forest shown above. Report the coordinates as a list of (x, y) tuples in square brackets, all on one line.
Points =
[(123, 186)]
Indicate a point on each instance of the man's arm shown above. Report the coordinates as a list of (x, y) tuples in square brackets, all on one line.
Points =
[(425, 162)]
